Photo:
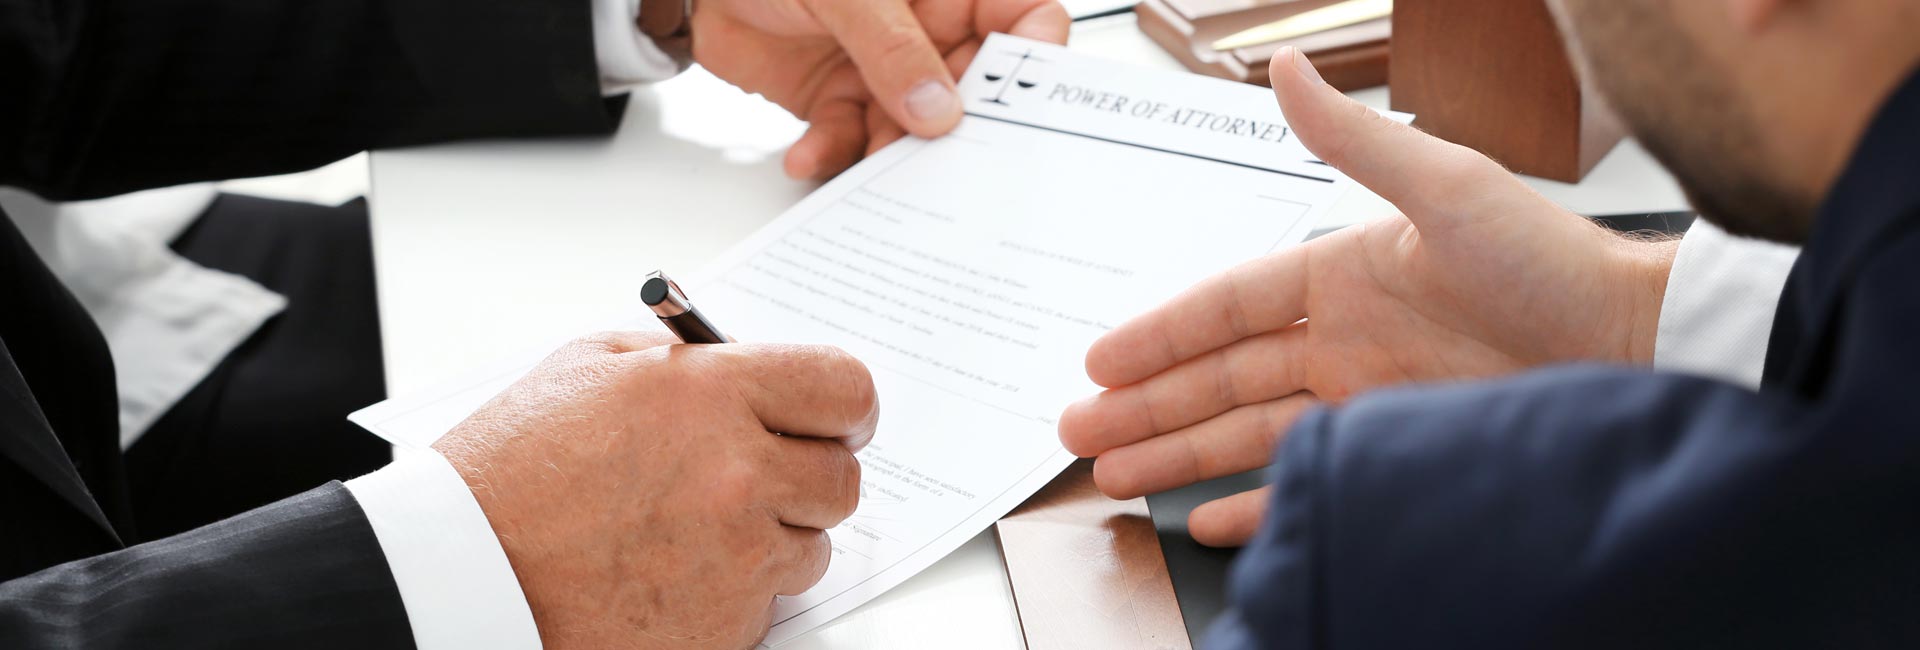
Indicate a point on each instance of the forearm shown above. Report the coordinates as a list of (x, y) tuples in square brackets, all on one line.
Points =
[(303, 572), (1546, 510), (1701, 304), (115, 95), (1645, 264)]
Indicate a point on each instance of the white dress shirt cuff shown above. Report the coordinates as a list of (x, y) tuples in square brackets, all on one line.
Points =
[(454, 578), (627, 57), (1718, 311)]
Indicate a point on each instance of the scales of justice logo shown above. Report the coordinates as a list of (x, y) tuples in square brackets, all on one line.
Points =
[(1012, 78)]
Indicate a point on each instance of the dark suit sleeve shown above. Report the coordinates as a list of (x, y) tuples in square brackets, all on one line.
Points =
[(306, 572), (1583, 508), (100, 97)]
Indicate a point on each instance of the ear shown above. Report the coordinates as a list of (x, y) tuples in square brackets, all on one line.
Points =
[(1752, 16)]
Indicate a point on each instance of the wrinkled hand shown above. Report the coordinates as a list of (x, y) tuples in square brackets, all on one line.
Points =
[(641, 496), (862, 73), (1480, 277)]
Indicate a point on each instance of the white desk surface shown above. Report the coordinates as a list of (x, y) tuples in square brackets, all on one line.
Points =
[(484, 248)]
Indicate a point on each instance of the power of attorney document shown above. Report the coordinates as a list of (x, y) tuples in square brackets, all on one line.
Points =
[(971, 272)]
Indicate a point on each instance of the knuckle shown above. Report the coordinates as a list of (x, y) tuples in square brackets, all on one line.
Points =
[(654, 357), (1364, 115), (607, 342), (852, 380), (896, 42), (846, 487), (762, 550), (815, 556), (1338, 146), (843, 382), (866, 408), (756, 362), (1226, 384), (641, 373), (586, 349), (686, 374), (822, 552)]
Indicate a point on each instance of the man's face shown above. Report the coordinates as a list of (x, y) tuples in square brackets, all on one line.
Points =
[(1683, 106)]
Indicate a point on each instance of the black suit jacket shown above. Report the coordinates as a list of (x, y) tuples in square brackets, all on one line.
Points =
[(100, 97), (1607, 508)]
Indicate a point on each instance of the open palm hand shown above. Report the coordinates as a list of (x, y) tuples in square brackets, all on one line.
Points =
[(1480, 277)]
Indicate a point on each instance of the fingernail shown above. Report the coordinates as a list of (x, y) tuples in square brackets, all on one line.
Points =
[(1306, 67), (932, 101)]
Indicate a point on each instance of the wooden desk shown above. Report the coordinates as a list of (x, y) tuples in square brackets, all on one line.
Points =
[(484, 246)]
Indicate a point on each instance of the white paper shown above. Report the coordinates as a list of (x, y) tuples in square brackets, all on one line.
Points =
[(970, 273)]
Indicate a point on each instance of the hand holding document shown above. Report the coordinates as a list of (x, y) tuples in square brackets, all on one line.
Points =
[(970, 274)]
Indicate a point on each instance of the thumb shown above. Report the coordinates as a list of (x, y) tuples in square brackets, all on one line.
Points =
[(1422, 175), (902, 68)]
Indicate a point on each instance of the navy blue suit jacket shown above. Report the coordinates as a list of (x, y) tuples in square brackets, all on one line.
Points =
[(1604, 507)]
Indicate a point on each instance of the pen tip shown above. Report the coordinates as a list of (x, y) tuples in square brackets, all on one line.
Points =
[(654, 291)]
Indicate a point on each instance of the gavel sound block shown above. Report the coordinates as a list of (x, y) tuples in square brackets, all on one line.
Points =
[(1494, 75)]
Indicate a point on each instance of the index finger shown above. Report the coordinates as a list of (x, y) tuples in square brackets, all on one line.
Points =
[(1263, 295), (802, 390)]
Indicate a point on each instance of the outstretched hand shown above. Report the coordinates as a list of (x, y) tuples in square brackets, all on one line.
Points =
[(1481, 276)]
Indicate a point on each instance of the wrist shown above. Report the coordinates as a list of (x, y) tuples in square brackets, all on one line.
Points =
[(479, 462), (1643, 264), (669, 23)]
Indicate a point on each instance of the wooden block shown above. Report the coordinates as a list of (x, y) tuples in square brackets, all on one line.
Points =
[(1348, 57), (1493, 75), (1087, 570)]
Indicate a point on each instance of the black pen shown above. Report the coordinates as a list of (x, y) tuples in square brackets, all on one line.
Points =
[(667, 301)]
